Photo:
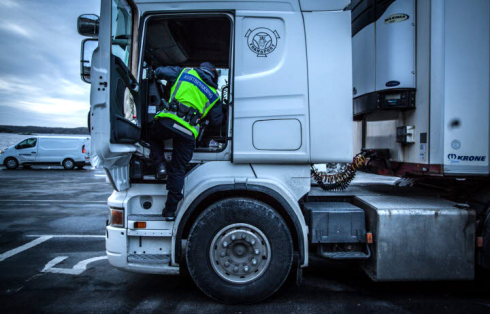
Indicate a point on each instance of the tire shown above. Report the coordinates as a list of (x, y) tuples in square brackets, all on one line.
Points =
[(11, 163), (68, 164), (264, 230)]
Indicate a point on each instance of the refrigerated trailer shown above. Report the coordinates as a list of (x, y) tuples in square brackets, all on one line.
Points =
[(421, 77), (250, 216)]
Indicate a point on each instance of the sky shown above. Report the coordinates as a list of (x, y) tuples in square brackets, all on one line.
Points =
[(40, 81)]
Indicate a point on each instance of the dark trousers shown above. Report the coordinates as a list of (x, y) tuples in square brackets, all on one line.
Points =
[(183, 148)]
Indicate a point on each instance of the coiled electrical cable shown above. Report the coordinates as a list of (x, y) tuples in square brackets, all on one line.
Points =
[(341, 180)]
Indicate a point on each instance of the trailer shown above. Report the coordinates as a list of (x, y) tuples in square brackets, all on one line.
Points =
[(421, 85), (250, 216)]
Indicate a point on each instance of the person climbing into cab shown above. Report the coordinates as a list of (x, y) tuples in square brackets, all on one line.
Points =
[(193, 103)]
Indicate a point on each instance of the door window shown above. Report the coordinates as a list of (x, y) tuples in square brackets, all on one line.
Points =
[(122, 30), (29, 143)]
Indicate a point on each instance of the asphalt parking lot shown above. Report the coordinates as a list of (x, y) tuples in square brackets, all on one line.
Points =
[(52, 260)]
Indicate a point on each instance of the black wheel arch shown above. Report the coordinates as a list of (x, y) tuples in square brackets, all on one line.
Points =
[(219, 192)]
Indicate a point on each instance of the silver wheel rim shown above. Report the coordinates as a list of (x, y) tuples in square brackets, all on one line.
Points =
[(68, 164), (11, 163), (240, 253)]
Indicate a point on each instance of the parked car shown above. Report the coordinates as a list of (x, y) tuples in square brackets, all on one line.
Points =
[(69, 152)]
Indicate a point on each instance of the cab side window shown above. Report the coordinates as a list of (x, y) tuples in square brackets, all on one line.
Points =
[(29, 143), (121, 36), (122, 31)]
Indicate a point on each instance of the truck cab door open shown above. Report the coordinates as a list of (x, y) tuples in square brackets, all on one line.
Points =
[(114, 94)]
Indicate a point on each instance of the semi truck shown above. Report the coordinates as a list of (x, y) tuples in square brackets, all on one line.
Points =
[(303, 82)]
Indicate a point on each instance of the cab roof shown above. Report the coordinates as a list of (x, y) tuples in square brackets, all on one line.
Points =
[(255, 5)]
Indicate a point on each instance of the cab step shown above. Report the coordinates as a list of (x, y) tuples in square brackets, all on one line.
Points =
[(149, 258)]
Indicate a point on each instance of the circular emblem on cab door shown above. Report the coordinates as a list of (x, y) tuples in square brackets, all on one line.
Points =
[(262, 41)]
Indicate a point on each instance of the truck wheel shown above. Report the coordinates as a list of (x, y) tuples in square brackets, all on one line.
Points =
[(239, 250), (11, 163), (68, 164)]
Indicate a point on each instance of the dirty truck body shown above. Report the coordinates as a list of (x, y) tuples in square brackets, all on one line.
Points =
[(249, 217)]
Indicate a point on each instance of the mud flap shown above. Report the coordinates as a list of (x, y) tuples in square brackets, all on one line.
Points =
[(299, 270), (485, 250)]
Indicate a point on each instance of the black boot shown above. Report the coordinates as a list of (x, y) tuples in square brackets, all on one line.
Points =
[(169, 215), (161, 171)]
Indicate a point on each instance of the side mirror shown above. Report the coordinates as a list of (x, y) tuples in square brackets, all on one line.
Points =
[(88, 25), (88, 47)]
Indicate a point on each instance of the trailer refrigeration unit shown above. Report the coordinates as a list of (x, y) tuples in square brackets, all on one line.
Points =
[(250, 216)]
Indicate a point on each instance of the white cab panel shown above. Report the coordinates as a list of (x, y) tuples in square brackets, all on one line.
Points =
[(330, 85), (281, 134), (395, 46), (269, 85)]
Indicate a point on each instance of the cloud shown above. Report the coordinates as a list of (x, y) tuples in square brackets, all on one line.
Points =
[(9, 3), (12, 85), (59, 101), (15, 29), (39, 64)]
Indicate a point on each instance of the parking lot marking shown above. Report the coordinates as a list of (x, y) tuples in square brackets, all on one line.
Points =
[(68, 235), (54, 201), (76, 270), (24, 247), (53, 262)]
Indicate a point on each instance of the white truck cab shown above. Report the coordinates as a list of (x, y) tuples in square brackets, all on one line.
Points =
[(69, 152), (249, 216)]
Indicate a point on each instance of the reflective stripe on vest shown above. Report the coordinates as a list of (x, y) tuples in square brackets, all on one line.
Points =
[(191, 90)]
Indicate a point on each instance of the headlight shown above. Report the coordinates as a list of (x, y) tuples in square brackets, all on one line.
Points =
[(1, 151)]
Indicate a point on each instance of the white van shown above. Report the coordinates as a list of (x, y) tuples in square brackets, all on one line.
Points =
[(70, 152)]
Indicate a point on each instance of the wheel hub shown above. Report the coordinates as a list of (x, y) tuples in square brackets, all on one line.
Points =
[(11, 163), (240, 253)]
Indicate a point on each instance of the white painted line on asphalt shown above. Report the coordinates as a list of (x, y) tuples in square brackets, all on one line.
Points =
[(53, 262), (24, 247), (56, 201), (68, 235), (76, 270)]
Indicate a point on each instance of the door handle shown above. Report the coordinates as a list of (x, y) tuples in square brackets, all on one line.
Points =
[(33, 152)]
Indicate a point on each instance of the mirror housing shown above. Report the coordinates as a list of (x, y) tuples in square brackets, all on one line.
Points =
[(87, 49), (88, 25)]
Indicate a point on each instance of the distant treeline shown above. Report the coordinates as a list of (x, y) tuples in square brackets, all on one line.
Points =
[(41, 129)]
